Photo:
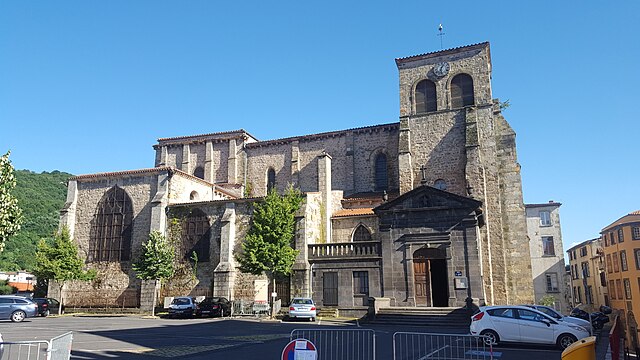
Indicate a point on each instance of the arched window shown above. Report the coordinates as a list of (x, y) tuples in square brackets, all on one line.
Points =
[(461, 91), (381, 182), (361, 234), (425, 97), (199, 172), (440, 184), (271, 179), (194, 195), (196, 232), (110, 236)]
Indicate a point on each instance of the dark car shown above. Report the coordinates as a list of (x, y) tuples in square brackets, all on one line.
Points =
[(17, 308), (214, 306), (47, 306)]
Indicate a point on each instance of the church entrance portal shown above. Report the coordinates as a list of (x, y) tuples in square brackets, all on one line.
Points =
[(430, 278)]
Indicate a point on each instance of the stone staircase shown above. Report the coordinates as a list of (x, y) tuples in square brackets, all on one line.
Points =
[(458, 318), (327, 312)]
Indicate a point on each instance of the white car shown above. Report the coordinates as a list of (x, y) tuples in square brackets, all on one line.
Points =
[(302, 308), (523, 325), (556, 315)]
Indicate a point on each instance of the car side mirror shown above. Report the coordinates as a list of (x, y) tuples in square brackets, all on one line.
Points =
[(546, 322)]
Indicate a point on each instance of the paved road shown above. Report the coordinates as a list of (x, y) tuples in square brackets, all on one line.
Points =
[(130, 337)]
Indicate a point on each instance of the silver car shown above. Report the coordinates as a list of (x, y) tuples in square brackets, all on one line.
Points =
[(556, 315), (17, 308), (303, 308)]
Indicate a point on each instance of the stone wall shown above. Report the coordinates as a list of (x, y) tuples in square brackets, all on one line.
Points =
[(343, 227), (182, 188)]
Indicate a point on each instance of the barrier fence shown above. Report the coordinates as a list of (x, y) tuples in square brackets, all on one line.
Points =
[(335, 344), (58, 348), (414, 346)]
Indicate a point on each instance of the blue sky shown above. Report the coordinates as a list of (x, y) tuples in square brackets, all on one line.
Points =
[(88, 86)]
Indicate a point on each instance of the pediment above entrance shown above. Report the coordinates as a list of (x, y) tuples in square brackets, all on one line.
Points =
[(427, 197)]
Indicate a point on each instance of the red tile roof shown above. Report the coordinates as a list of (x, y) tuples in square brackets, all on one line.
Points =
[(353, 212), (122, 173), (187, 137)]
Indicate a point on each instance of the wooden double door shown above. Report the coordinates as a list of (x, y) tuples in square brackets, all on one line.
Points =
[(430, 278)]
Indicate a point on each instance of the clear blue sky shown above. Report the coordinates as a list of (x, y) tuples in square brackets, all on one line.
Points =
[(88, 86)]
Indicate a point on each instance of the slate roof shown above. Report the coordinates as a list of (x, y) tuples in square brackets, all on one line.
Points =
[(442, 52)]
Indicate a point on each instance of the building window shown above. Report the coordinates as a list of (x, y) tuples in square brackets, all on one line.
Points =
[(199, 172), (575, 266), (570, 255), (608, 262), (579, 294), (425, 97), (271, 179), (195, 237), (381, 173), (111, 227), (611, 238), (588, 295), (603, 279), (361, 283), (585, 270), (547, 246), (545, 218), (461, 91), (619, 289), (194, 196), (606, 240), (620, 235), (552, 282), (612, 289), (361, 234), (623, 260), (635, 232), (440, 184), (627, 289), (572, 274), (583, 251), (636, 255), (616, 265)]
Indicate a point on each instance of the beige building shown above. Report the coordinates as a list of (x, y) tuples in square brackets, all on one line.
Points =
[(588, 278), (547, 254)]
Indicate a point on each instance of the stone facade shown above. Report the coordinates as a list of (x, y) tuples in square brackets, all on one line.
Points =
[(435, 200)]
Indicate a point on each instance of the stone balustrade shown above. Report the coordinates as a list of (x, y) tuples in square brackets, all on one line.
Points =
[(360, 249)]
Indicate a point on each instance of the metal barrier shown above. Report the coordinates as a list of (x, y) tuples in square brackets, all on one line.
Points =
[(58, 348), (340, 344), (414, 346)]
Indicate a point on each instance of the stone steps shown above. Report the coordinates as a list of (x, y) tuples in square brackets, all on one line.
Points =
[(421, 316)]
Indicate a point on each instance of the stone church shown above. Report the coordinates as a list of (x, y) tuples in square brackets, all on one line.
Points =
[(424, 211)]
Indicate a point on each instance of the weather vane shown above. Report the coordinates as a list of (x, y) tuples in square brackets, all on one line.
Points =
[(441, 34)]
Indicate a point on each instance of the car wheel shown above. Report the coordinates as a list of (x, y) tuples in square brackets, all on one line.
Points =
[(491, 337), (18, 316), (46, 313), (313, 319), (565, 340)]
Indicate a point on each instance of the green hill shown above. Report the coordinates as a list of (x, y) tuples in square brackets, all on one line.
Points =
[(40, 196)]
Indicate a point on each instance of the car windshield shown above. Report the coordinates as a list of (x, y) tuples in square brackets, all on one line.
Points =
[(180, 301), (302, 301), (549, 312)]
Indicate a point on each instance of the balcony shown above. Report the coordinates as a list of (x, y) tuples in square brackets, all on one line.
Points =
[(346, 250)]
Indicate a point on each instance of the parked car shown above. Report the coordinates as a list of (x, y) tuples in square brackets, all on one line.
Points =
[(302, 308), (182, 306), (47, 306), (523, 325), (556, 315), (27, 294), (16, 308), (597, 318), (213, 306)]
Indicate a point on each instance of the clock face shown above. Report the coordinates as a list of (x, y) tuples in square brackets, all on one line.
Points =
[(441, 69)]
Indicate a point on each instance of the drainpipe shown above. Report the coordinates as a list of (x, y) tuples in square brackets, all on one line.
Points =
[(311, 281)]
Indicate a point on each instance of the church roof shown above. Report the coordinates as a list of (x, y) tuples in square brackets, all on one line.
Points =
[(203, 137), (442, 52), (353, 212), (122, 173)]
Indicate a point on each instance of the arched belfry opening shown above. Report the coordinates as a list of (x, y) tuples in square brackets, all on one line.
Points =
[(430, 277)]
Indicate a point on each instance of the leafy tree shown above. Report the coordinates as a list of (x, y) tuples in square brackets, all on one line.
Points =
[(156, 260), (547, 300), (59, 261), (41, 196), (267, 247), (10, 213), (6, 289)]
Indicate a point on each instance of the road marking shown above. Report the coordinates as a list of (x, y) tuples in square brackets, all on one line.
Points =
[(489, 354)]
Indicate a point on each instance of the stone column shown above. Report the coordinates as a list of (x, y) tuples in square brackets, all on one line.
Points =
[(208, 162), (163, 156), (405, 166), (159, 204), (149, 291), (324, 187), (186, 156), (68, 212), (295, 163), (232, 164), (224, 273)]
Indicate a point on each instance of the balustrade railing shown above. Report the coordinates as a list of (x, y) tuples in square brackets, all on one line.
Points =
[(345, 250)]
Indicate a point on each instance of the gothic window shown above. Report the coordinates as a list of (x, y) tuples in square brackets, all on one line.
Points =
[(199, 172), (271, 179), (440, 184), (196, 232), (425, 97), (361, 234), (461, 91), (381, 173), (110, 237), (194, 195)]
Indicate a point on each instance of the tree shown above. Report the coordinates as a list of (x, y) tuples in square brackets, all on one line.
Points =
[(10, 213), (267, 248), (156, 260), (59, 261)]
